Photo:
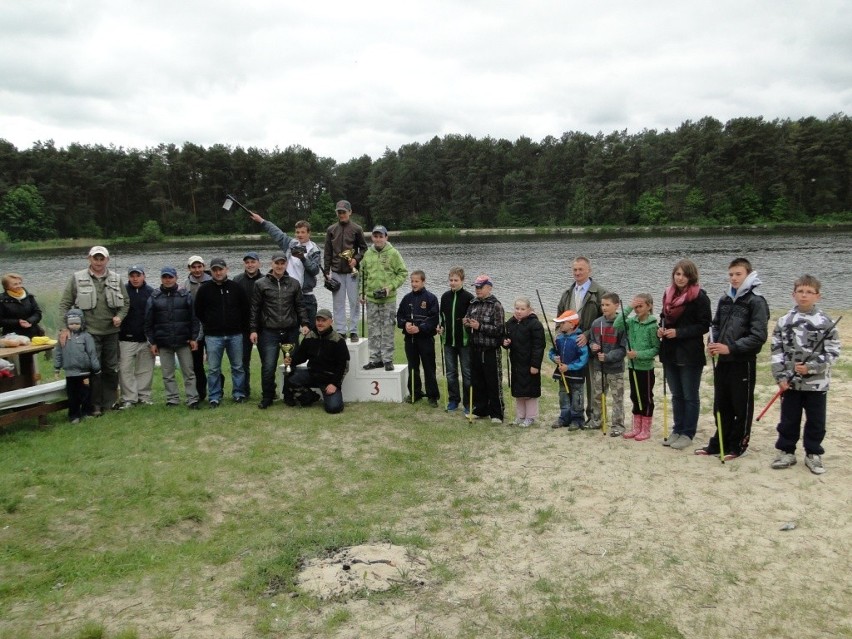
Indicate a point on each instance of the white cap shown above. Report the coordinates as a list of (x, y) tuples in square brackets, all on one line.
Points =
[(195, 258), (98, 250)]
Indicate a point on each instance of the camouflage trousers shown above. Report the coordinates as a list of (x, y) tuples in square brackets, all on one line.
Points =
[(381, 324), (614, 397)]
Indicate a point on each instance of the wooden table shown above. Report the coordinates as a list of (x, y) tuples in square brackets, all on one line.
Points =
[(26, 376)]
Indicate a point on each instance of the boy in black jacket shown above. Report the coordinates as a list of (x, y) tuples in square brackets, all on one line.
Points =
[(738, 332), (417, 316), (455, 338)]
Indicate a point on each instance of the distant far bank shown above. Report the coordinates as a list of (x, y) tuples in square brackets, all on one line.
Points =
[(239, 238)]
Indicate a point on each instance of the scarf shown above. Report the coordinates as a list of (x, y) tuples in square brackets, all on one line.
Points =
[(17, 296), (675, 301)]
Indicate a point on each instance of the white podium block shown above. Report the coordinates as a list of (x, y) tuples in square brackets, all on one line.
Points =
[(376, 385)]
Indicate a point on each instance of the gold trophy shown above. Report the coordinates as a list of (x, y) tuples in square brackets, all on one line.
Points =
[(285, 349), (347, 255)]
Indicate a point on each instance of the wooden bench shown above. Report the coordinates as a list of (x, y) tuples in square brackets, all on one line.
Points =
[(21, 396)]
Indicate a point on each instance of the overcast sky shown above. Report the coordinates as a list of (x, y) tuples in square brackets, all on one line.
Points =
[(349, 78)]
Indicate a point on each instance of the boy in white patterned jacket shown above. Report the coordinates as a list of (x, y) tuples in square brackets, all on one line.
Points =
[(804, 346)]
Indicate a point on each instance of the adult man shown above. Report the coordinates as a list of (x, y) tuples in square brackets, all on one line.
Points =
[(197, 276), (303, 259), (327, 356), (383, 272), (584, 297), (98, 292), (172, 329), (222, 307), (277, 311), (345, 236), (247, 279), (135, 361)]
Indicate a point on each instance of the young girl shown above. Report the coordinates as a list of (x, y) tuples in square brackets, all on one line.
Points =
[(643, 345), (525, 341)]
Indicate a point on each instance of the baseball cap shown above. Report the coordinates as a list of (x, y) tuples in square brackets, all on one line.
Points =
[(251, 255), (343, 205), (380, 229), (482, 280), (195, 258), (324, 312), (278, 256), (168, 270), (568, 316), (218, 262), (136, 268), (98, 250)]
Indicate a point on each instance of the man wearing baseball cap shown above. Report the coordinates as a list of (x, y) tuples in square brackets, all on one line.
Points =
[(344, 249), (135, 360), (98, 292), (247, 279), (485, 319), (198, 274)]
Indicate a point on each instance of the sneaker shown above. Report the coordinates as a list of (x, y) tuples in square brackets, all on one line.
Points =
[(76, 420), (592, 424), (264, 404), (671, 439), (125, 405), (784, 460), (388, 366), (239, 400), (496, 420), (192, 406), (371, 365), (682, 441), (557, 424), (452, 406), (214, 404), (572, 427), (529, 421), (466, 411), (516, 422), (145, 402), (616, 431), (814, 464), (353, 337), (97, 412)]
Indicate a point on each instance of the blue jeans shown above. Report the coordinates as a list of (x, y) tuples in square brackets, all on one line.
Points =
[(268, 345), (217, 345), (684, 382), (571, 405), (455, 358)]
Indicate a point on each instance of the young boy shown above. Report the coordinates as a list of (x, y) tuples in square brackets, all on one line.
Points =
[(570, 360), (804, 346), (417, 316), (738, 332), (454, 304), (79, 357), (485, 319), (609, 348), (383, 271)]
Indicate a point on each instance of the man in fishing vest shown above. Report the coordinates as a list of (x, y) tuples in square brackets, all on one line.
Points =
[(99, 293)]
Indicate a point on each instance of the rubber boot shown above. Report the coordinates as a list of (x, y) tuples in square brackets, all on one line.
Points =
[(645, 433), (637, 428)]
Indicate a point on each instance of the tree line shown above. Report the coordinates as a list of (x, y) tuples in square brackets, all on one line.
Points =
[(747, 170)]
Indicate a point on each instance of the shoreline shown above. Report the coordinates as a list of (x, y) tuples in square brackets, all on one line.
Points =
[(236, 238)]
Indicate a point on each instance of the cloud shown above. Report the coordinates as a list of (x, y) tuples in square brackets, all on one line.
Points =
[(346, 79)]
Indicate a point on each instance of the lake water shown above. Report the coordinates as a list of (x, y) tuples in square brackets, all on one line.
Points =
[(521, 264)]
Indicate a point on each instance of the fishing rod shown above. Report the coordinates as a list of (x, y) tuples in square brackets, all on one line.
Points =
[(552, 341), (806, 360), (630, 363)]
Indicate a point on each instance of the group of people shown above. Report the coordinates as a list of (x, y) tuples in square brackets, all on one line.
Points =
[(114, 330)]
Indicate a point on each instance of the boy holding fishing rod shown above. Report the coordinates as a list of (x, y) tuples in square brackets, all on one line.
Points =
[(738, 332), (609, 348), (804, 346)]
